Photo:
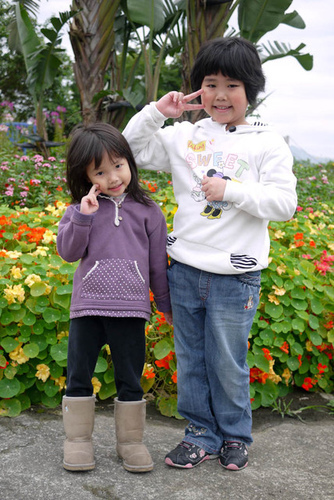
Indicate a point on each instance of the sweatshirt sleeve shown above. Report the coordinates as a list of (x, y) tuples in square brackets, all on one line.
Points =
[(274, 196), (158, 265), (145, 136), (73, 234)]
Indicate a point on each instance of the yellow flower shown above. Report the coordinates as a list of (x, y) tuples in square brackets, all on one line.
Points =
[(13, 292), (31, 279), (49, 237), (278, 291), (96, 385), (108, 350), (309, 346), (43, 372), (13, 254), (273, 298), (16, 272), (48, 290), (286, 375), (62, 334), (61, 381), (279, 234), (40, 251), (272, 375), (18, 355), (297, 272), (281, 269)]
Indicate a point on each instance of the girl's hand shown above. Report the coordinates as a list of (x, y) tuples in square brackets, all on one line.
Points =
[(89, 203), (214, 188), (169, 317), (173, 104)]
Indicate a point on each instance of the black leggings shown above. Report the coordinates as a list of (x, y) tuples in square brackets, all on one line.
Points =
[(126, 339)]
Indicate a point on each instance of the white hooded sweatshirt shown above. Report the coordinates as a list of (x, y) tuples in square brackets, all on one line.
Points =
[(229, 236)]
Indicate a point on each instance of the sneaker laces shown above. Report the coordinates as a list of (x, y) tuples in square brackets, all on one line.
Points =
[(232, 445)]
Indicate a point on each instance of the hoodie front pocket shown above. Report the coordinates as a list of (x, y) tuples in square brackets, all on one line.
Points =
[(117, 279)]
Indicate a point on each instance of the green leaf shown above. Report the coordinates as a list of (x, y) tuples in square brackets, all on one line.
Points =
[(300, 305), (9, 344), (315, 338), (109, 376), (37, 289), (7, 317), (273, 310), (147, 13), (163, 348), (313, 322), (293, 363), (269, 393), (316, 306), (107, 391), (29, 319), (51, 402), (64, 290), (10, 407), (298, 324), (31, 350), (101, 365), (51, 315), (261, 362), (50, 388), (9, 388), (59, 352), (168, 407)]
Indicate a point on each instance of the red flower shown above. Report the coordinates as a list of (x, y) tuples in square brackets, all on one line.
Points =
[(285, 347), (164, 362), (267, 354), (257, 374), (308, 383)]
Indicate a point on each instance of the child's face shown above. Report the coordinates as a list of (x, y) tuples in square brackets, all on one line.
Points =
[(112, 176), (224, 99)]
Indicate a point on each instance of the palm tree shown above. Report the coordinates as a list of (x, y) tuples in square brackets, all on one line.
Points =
[(92, 38)]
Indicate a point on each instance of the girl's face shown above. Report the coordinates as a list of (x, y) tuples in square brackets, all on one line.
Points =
[(112, 176), (224, 99)]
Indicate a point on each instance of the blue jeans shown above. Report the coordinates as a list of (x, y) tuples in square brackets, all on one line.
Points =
[(212, 316)]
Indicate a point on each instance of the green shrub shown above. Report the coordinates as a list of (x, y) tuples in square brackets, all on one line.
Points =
[(291, 341)]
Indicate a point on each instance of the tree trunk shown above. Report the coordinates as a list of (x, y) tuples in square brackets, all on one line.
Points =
[(92, 39)]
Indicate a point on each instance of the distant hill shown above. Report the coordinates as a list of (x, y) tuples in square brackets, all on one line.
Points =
[(302, 155)]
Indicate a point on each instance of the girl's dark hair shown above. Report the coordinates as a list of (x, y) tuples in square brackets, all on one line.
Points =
[(89, 144), (234, 57)]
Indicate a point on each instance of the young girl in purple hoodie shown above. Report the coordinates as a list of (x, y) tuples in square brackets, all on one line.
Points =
[(119, 235)]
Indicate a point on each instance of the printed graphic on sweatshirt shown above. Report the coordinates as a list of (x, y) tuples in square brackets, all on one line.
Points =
[(203, 159), (118, 279)]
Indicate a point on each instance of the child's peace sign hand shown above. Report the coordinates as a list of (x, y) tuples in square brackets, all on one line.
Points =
[(89, 203), (173, 104)]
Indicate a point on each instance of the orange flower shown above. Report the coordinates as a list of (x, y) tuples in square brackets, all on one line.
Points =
[(149, 373), (298, 236), (164, 362), (285, 347), (174, 377), (267, 354), (257, 374)]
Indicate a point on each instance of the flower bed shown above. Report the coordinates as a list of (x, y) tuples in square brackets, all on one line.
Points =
[(291, 341)]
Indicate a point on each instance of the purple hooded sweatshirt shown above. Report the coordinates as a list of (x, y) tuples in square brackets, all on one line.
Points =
[(122, 252)]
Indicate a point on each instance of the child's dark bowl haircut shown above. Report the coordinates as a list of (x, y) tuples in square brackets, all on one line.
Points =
[(235, 58)]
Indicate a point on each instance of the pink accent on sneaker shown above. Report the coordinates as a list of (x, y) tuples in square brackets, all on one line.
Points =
[(235, 467)]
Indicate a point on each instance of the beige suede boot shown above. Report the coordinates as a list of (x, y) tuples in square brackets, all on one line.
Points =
[(129, 424), (78, 418)]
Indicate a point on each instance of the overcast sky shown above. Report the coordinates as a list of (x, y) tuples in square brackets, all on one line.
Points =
[(301, 104)]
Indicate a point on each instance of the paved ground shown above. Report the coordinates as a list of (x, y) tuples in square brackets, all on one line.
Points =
[(289, 460)]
